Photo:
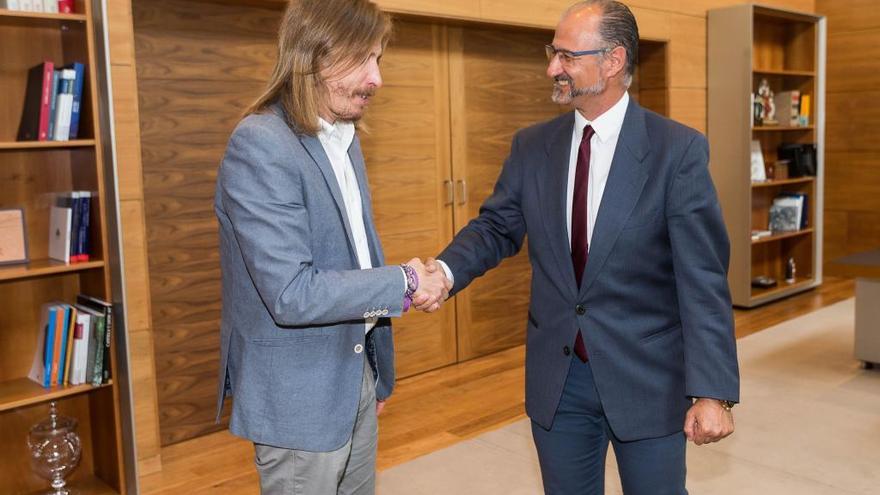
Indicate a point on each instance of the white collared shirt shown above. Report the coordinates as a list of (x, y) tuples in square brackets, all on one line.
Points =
[(336, 139), (602, 145)]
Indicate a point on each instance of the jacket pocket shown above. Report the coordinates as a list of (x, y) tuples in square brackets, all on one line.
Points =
[(660, 334), (287, 340)]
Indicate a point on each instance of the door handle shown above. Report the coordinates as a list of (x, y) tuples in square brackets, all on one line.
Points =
[(462, 198), (450, 193)]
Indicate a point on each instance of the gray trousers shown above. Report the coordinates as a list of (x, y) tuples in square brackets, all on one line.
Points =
[(350, 470)]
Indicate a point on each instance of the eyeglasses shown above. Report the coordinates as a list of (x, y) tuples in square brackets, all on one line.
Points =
[(568, 56)]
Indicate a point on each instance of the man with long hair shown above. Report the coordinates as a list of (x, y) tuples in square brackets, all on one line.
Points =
[(306, 347)]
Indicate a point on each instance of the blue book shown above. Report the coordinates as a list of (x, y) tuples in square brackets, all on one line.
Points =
[(49, 347), (53, 98), (77, 98), (85, 198), (63, 337)]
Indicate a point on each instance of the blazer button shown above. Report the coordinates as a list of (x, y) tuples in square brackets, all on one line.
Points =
[(358, 349), (566, 350), (580, 309)]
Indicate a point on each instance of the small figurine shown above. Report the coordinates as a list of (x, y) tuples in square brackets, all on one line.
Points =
[(765, 95)]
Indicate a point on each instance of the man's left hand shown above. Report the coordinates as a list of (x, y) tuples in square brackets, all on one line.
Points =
[(380, 406), (707, 421)]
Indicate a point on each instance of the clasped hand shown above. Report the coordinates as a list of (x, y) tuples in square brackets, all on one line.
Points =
[(433, 288)]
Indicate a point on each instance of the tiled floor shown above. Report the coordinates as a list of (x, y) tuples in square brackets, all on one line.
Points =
[(809, 423)]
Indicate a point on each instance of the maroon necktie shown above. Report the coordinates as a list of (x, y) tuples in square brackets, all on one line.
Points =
[(579, 216)]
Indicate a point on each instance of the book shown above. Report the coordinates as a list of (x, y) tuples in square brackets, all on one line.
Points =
[(79, 71), (787, 103), (785, 214), (102, 355), (83, 247), (802, 201), (26, 5), (81, 337), (34, 124), (68, 352), (42, 364), (9, 5), (64, 107), (804, 113), (60, 336), (38, 5), (53, 102), (759, 172), (95, 347), (65, 6), (50, 6), (59, 233)]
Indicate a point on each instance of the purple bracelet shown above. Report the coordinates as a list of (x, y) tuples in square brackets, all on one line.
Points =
[(412, 285)]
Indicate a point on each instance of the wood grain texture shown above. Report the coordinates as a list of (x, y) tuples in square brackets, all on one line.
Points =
[(852, 165), (198, 66), (430, 411), (407, 163), (499, 85)]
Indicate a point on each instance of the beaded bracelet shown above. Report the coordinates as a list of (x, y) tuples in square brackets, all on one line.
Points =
[(412, 285)]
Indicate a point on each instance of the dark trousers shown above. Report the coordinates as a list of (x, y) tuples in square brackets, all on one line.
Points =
[(572, 453)]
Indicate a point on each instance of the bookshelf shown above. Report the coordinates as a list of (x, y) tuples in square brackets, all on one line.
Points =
[(747, 44), (30, 172)]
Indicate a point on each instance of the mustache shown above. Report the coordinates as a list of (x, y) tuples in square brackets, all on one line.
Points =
[(365, 92), (564, 78)]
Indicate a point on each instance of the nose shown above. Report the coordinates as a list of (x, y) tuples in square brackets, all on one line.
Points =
[(374, 78), (554, 68)]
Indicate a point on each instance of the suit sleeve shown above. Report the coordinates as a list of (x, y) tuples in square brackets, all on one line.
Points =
[(260, 191), (701, 253), (496, 233)]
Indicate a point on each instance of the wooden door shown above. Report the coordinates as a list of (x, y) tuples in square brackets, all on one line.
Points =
[(498, 85), (406, 149)]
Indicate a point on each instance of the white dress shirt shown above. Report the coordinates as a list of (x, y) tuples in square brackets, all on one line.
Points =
[(602, 145), (336, 139)]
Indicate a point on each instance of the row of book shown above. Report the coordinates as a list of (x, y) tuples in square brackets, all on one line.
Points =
[(792, 108), (69, 224), (74, 345), (52, 103), (788, 212), (48, 6)]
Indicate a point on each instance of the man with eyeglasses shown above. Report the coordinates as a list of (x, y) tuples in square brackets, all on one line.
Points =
[(630, 335)]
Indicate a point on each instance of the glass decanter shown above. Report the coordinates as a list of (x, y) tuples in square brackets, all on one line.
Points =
[(55, 449)]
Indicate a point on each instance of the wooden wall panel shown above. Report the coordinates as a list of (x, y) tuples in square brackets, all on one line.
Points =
[(498, 85), (198, 66), (852, 162), (407, 157)]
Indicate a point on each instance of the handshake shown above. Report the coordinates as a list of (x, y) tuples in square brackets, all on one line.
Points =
[(433, 286)]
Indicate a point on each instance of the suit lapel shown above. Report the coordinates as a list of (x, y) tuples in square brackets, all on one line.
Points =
[(360, 170), (552, 185), (313, 145), (625, 183)]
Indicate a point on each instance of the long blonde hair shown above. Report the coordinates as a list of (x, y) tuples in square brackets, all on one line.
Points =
[(316, 35)]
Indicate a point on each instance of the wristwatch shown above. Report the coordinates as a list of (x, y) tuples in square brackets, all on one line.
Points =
[(727, 404)]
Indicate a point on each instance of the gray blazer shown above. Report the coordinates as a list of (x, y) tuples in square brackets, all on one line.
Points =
[(654, 305), (294, 297)]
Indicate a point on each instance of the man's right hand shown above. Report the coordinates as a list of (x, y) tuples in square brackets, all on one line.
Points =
[(433, 288)]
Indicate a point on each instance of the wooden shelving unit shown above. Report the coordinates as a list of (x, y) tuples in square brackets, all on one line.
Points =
[(748, 43), (30, 173)]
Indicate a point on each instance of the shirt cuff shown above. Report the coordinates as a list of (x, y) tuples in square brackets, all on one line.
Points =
[(447, 271)]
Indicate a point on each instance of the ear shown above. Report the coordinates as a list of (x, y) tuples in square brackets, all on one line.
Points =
[(616, 61)]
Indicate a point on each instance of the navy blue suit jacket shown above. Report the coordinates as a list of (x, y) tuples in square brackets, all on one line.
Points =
[(656, 312)]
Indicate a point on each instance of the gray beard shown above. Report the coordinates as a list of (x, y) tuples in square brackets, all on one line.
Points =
[(562, 97)]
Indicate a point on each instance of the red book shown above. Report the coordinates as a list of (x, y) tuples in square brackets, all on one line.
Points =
[(65, 6)]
